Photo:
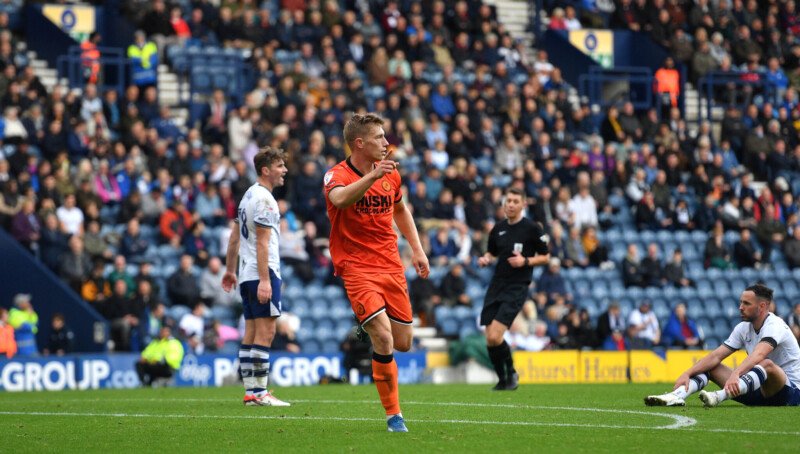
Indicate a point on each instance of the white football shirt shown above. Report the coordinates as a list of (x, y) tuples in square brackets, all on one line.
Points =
[(257, 208), (786, 352)]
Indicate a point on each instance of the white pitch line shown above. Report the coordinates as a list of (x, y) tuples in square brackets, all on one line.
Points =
[(680, 421), (320, 418)]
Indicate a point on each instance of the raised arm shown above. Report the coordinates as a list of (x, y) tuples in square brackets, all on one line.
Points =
[(345, 196)]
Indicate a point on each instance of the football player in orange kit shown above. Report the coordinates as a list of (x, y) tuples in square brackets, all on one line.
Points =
[(363, 196)]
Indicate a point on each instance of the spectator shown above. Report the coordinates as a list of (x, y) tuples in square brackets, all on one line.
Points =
[(95, 243), (717, 254), (791, 249), (53, 242), (674, 271), (61, 337), (182, 287), (25, 226), (551, 283), (643, 329), (293, 252), (8, 346), (192, 328), (25, 322), (120, 272), (770, 232), (632, 275), (610, 322), (210, 289), (195, 244), (745, 254), (681, 331), (75, 264), (160, 359), (793, 320), (124, 314), (70, 216), (424, 297), (574, 249), (285, 334), (133, 245), (651, 268), (453, 288), (96, 289), (175, 222)]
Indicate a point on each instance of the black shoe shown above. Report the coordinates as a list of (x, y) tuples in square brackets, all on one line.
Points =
[(500, 386), (512, 382)]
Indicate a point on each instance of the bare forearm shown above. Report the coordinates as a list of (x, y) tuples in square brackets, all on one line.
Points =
[(346, 196), (262, 259), (232, 256)]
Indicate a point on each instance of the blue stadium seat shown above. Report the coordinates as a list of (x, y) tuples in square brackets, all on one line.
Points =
[(178, 311), (313, 292), (635, 293), (616, 290), (467, 330), (600, 290), (305, 332), (442, 312), (333, 292), (695, 310), (699, 236), (462, 313), (448, 327), (581, 288), (653, 292), (310, 346), (222, 312), (329, 347), (687, 293), (201, 81), (669, 292)]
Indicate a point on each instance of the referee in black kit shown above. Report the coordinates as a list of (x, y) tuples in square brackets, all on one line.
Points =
[(518, 244)]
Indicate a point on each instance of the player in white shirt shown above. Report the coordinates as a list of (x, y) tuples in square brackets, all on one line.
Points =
[(770, 374), (258, 221)]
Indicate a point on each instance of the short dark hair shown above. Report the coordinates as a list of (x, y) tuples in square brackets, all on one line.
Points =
[(358, 126), (266, 157), (516, 191), (761, 291)]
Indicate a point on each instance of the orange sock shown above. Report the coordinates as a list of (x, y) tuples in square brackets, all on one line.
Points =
[(384, 372)]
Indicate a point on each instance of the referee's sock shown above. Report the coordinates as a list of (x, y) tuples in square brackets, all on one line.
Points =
[(497, 356), (508, 360)]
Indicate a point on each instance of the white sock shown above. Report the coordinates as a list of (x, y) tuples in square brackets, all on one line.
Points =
[(259, 354), (388, 417), (748, 382), (696, 383), (246, 365)]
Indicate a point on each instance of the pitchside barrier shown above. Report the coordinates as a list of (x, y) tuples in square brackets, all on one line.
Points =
[(117, 371), (95, 371), (637, 366)]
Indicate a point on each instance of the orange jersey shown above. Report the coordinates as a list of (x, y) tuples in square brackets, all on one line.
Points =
[(362, 237)]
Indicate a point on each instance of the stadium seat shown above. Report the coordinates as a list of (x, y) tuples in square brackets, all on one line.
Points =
[(635, 293), (449, 327), (653, 292), (669, 292), (333, 292), (310, 346)]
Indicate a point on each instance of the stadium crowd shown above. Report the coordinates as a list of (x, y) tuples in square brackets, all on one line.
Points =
[(103, 187)]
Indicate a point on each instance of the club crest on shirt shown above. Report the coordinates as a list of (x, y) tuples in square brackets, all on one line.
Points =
[(328, 177), (386, 186), (545, 238), (360, 310)]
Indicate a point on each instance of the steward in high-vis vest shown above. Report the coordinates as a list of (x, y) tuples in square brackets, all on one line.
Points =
[(161, 358), (25, 323), (143, 55)]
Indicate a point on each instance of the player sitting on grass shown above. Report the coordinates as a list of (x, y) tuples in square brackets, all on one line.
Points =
[(768, 376)]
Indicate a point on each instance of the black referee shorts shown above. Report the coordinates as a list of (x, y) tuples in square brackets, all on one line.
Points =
[(503, 302)]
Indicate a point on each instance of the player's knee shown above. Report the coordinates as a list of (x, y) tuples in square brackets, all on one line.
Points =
[(402, 344), (494, 339), (768, 365)]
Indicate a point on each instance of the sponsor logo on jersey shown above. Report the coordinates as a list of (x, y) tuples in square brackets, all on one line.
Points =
[(374, 204), (386, 186), (501, 233)]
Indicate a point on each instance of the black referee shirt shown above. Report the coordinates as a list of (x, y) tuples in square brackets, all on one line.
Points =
[(525, 236)]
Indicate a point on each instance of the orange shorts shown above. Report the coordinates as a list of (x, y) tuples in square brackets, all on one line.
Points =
[(371, 294)]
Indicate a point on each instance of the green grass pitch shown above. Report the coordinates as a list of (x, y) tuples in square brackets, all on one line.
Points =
[(343, 418)]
